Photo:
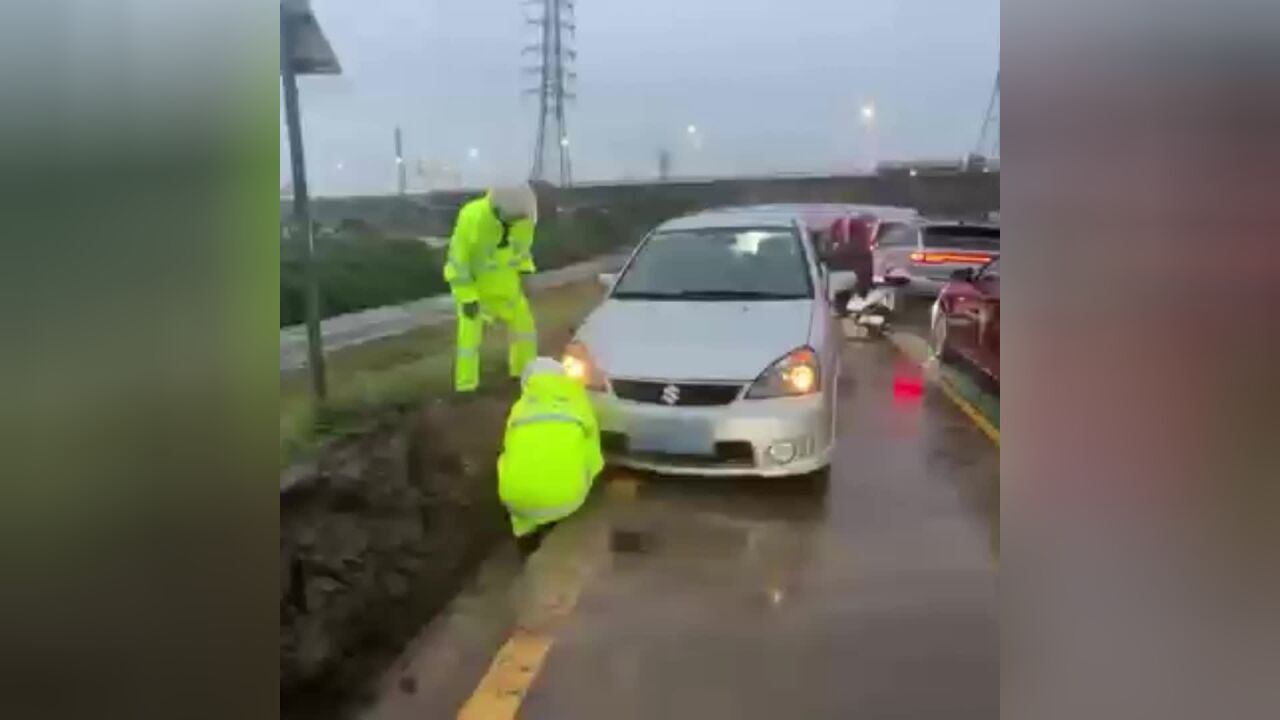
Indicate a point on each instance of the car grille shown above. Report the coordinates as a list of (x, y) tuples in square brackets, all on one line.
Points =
[(683, 395)]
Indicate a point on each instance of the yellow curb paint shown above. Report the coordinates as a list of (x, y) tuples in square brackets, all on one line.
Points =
[(516, 665), (904, 342), (974, 414), (500, 692)]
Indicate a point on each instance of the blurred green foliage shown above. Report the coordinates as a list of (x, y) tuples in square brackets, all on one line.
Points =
[(358, 270), (362, 267)]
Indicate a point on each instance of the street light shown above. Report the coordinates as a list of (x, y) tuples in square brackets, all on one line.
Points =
[(564, 141), (473, 153), (868, 114), (695, 137), (304, 50)]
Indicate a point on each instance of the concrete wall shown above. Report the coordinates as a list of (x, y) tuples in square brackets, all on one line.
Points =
[(939, 193)]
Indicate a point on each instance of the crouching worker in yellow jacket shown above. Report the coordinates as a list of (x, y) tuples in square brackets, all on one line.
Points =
[(550, 455)]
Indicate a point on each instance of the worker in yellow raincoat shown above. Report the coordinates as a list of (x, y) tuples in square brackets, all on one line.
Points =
[(551, 452), (491, 247)]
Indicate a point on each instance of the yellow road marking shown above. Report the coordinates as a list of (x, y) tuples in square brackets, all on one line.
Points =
[(518, 662), (500, 692), (934, 373), (914, 349), (974, 414)]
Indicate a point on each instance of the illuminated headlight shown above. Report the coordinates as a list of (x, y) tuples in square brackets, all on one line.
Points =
[(578, 365), (795, 373)]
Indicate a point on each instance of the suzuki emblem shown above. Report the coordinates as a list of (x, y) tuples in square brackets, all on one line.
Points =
[(671, 394)]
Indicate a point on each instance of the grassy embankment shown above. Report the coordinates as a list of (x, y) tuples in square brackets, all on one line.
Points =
[(395, 374), (359, 268)]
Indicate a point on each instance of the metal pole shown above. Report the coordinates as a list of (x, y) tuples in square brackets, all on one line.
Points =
[(301, 203), (401, 180)]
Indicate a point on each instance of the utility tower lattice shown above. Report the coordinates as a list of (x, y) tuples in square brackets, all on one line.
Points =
[(556, 55), (989, 137)]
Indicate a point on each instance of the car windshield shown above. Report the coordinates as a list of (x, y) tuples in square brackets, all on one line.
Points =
[(962, 237), (718, 264)]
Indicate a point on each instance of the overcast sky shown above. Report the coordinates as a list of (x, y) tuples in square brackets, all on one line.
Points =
[(771, 86)]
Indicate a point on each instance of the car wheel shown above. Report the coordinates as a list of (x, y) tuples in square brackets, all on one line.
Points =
[(938, 338)]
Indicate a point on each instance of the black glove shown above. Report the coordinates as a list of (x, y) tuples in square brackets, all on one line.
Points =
[(471, 309)]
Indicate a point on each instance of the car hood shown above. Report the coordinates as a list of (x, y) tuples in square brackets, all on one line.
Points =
[(674, 340)]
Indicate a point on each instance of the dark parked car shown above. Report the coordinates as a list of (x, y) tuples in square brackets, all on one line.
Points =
[(965, 320)]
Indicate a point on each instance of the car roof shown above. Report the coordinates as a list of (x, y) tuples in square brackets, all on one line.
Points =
[(827, 209), (732, 217), (783, 214), (953, 222)]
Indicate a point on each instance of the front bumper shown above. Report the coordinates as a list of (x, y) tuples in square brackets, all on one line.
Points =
[(743, 433)]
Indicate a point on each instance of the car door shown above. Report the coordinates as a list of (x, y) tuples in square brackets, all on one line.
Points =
[(973, 321), (893, 247), (986, 343)]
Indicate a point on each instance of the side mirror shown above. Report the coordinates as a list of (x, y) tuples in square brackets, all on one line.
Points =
[(897, 280), (962, 275), (607, 279)]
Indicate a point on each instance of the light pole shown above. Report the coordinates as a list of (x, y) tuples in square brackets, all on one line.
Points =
[(402, 182), (868, 115), (304, 51), (470, 168), (695, 136), (695, 143)]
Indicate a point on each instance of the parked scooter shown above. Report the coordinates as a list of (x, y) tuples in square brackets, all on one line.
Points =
[(868, 317)]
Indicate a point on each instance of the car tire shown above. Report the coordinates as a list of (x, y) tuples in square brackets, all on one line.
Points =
[(938, 347)]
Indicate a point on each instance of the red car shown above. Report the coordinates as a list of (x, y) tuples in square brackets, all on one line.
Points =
[(965, 320)]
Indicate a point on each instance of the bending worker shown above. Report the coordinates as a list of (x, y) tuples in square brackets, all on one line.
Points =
[(491, 247), (550, 454)]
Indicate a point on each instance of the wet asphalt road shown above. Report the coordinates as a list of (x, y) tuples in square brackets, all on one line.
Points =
[(675, 598)]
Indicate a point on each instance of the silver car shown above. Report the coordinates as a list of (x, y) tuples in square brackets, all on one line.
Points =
[(715, 351), (928, 252)]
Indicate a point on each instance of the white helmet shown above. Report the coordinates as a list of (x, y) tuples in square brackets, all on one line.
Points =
[(515, 201), (540, 366)]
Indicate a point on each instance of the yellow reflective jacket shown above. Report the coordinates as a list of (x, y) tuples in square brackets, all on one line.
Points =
[(480, 266), (551, 452)]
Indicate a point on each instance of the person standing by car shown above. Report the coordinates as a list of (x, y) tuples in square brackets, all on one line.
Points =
[(491, 246), (551, 453), (849, 251)]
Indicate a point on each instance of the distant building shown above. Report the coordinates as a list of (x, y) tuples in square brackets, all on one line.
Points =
[(920, 166)]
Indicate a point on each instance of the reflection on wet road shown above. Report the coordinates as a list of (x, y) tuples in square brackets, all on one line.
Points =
[(765, 599)]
